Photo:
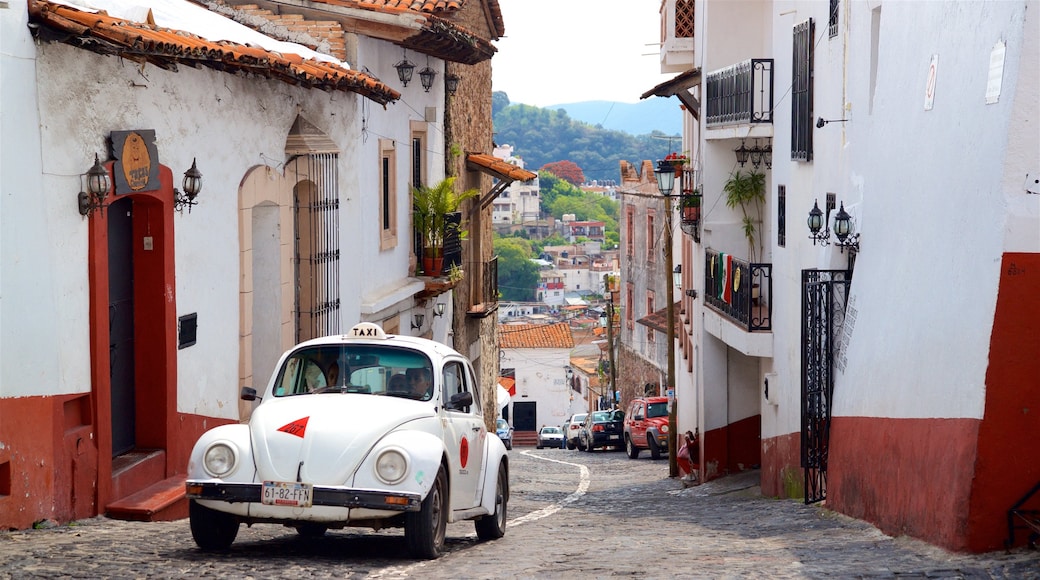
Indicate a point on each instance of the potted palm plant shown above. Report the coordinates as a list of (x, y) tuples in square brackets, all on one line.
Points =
[(748, 192), (431, 206)]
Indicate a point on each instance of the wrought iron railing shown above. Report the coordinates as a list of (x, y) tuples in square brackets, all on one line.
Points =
[(741, 93), (690, 200), (484, 295), (739, 290), (491, 280)]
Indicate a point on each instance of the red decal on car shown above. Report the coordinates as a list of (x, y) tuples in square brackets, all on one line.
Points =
[(297, 427), (464, 452)]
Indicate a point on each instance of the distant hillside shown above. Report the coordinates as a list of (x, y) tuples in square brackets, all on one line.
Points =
[(646, 116), (543, 135)]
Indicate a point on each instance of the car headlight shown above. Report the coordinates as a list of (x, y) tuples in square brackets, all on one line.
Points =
[(664, 428), (219, 459), (391, 466)]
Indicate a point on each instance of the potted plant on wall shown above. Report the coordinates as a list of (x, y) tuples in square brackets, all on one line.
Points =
[(690, 205), (431, 207), (747, 191)]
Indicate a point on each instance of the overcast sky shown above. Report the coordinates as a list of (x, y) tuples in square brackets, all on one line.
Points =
[(566, 51)]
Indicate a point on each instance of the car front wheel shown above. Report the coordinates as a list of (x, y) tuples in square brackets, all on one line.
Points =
[(493, 527), (655, 450), (212, 530), (424, 530), (632, 450)]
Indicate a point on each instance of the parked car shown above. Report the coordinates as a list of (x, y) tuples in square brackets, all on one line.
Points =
[(505, 432), (551, 437), (332, 445), (602, 429), (646, 426), (572, 425)]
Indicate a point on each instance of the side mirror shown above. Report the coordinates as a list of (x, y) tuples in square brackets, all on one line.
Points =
[(460, 401), (249, 394)]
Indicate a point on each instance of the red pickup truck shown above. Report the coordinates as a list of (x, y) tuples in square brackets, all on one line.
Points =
[(646, 426)]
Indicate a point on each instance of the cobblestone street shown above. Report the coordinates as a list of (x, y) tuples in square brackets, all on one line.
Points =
[(572, 515)]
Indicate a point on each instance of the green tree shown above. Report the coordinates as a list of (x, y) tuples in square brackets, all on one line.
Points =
[(499, 101), (517, 274), (547, 135)]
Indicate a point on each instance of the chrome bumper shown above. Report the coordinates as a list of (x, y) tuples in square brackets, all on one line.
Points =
[(322, 496)]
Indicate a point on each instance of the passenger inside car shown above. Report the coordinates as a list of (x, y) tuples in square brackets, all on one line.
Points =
[(398, 385), (419, 381)]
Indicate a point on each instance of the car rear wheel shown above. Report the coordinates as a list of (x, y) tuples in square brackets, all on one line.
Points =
[(493, 527), (632, 450), (655, 450), (212, 530), (570, 446), (424, 530)]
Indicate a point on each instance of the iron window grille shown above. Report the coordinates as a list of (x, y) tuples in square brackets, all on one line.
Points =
[(832, 20), (802, 93)]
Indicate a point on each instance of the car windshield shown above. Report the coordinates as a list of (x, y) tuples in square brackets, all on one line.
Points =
[(550, 430), (579, 418), (352, 368), (501, 424), (657, 409)]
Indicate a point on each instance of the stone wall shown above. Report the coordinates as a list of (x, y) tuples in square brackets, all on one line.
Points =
[(634, 372), (468, 129)]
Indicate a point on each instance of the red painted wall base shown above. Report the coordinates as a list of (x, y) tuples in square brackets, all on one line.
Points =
[(49, 468), (782, 475), (733, 448)]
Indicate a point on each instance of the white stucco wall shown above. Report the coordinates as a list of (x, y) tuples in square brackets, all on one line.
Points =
[(541, 377), (937, 196), (230, 124), (933, 213), (42, 304)]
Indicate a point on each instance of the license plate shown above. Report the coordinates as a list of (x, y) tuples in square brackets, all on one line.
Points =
[(286, 493), (615, 437)]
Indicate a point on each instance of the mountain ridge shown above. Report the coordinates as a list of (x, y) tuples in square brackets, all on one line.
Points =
[(642, 118)]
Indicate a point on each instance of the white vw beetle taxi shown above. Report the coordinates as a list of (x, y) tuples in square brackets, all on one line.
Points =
[(352, 431)]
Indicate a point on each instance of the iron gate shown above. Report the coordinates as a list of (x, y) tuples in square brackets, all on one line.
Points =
[(824, 295)]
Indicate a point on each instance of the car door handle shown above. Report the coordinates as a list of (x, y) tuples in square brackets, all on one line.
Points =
[(476, 429)]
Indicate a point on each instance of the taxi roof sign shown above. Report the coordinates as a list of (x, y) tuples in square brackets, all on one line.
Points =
[(366, 330)]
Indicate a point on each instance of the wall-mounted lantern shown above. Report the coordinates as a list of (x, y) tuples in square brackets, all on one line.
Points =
[(819, 230), (404, 69), (98, 184), (192, 185), (451, 83), (427, 75), (417, 321)]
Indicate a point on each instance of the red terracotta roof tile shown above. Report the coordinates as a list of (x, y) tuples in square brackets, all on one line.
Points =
[(498, 168), (535, 336), (659, 320), (166, 48), (439, 37)]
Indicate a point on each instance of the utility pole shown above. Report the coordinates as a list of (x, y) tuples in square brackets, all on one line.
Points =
[(673, 464), (666, 173), (610, 336)]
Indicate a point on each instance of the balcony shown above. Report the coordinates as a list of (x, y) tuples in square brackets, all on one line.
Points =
[(677, 35), (728, 291), (740, 93), (690, 204), (484, 290)]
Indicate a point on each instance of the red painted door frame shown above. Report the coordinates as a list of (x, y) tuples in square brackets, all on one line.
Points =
[(155, 322)]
